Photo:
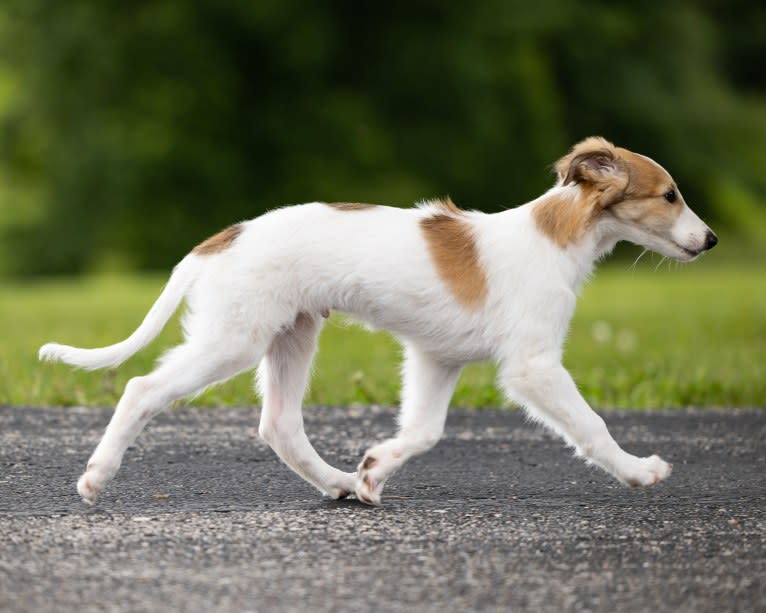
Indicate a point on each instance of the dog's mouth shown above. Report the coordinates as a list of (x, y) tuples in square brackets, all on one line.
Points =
[(692, 253)]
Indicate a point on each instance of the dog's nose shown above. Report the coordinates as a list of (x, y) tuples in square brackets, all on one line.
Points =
[(711, 240)]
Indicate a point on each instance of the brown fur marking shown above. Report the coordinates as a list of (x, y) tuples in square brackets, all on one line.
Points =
[(646, 178), (219, 242), (564, 220), (350, 206), (446, 205), (644, 201), (610, 178), (453, 250), (593, 145)]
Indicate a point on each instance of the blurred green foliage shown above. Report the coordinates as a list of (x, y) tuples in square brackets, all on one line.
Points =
[(674, 337), (131, 130)]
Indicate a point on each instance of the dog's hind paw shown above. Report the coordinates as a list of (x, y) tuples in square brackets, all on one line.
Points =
[(650, 471), (342, 487)]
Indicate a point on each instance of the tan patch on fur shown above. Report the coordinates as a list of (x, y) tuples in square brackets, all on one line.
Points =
[(644, 202), (350, 206), (453, 250), (566, 166), (219, 242), (650, 213), (446, 205), (645, 177), (632, 189), (565, 219)]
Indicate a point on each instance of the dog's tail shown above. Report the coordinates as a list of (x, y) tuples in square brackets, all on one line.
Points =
[(179, 283)]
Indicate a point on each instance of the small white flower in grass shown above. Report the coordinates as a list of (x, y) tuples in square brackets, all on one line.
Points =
[(626, 340), (601, 331)]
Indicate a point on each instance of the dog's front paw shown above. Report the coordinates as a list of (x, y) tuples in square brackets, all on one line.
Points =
[(369, 482), (648, 471), (92, 481)]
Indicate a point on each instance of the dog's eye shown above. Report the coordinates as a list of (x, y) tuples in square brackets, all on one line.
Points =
[(671, 196)]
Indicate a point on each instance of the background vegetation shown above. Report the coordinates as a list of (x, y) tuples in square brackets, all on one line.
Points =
[(640, 339), (130, 131)]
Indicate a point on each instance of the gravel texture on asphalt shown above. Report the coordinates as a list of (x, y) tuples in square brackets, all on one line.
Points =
[(499, 516)]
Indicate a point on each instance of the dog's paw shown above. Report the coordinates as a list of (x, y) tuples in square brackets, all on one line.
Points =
[(649, 471), (89, 487), (369, 481), (343, 487), (92, 481)]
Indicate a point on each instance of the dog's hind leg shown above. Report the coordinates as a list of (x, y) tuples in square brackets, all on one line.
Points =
[(545, 388), (184, 370), (427, 389), (282, 378)]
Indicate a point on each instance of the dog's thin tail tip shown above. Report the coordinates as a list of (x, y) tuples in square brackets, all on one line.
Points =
[(79, 358), (50, 352), (158, 315), (54, 352)]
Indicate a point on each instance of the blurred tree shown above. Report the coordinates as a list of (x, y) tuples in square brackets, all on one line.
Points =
[(129, 131)]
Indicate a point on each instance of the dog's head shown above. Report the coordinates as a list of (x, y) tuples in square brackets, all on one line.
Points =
[(630, 195)]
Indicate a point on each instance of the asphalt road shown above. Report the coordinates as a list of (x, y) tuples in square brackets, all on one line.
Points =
[(202, 516)]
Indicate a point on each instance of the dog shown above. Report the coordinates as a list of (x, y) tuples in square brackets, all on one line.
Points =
[(454, 286)]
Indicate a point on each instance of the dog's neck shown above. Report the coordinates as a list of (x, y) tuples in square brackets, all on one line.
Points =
[(593, 247), (575, 251)]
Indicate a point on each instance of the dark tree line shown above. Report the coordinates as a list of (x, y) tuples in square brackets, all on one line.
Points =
[(131, 130)]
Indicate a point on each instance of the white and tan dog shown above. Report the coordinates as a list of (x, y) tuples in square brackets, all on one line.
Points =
[(454, 286)]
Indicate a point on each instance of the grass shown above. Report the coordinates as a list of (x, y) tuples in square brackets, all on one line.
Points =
[(640, 339)]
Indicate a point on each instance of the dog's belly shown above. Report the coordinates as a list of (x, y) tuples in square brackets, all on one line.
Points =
[(449, 338)]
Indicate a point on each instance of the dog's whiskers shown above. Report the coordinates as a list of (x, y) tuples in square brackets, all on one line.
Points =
[(640, 255)]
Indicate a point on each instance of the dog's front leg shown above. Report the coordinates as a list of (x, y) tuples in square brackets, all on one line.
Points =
[(427, 389), (547, 391)]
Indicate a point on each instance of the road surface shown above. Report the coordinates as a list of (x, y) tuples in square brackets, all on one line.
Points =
[(497, 517)]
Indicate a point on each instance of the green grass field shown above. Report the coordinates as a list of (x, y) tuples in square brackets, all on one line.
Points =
[(693, 335)]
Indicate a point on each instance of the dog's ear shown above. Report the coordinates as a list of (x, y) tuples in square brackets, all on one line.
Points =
[(596, 163), (593, 160)]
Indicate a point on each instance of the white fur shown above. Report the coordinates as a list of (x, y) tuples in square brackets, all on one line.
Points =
[(91, 359), (261, 300)]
